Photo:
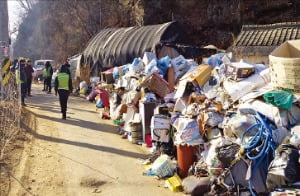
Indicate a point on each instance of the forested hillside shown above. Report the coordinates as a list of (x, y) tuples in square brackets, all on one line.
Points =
[(59, 29)]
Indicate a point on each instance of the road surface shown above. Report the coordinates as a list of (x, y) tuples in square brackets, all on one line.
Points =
[(82, 155)]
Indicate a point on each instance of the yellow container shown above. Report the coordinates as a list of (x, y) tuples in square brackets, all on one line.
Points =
[(174, 183)]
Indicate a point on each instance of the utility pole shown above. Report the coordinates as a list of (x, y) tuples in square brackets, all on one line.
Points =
[(4, 36)]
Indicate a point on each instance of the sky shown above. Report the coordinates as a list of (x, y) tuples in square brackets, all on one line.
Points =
[(14, 11)]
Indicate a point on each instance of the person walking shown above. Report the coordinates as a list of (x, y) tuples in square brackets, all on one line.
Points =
[(45, 79), (63, 86), (48, 76), (66, 64), (21, 77), (29, 70)]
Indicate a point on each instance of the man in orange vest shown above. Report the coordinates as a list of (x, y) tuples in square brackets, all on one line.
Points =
[(63, 86)]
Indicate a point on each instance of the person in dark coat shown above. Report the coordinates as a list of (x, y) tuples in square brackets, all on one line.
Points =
[(63, 86), (21, 74), (29, 70), (48, 72), (66, 64)]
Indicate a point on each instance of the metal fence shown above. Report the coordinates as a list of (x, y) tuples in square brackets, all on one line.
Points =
[(10, 107)]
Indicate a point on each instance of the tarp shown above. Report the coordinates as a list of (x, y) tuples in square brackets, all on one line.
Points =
[(74, 62), (118, 46)]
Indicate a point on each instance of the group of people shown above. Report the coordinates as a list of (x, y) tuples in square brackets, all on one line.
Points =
[(63, 82)]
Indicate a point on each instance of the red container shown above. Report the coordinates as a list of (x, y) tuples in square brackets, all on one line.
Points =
[(185, 157), (148, 140)]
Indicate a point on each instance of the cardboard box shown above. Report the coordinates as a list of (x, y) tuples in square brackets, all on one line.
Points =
[(160, 122), (171, 78), (285, 65), (201, 74), (239, 70), (107, 77), (157, 85)]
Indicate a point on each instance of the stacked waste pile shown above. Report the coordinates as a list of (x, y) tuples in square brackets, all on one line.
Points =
[(217, 128)]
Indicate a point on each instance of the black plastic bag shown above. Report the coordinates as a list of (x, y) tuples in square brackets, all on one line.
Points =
[(226, 154), (285, 168)]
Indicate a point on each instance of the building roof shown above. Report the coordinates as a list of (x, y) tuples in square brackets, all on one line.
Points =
[(118, 46), (263, 39)]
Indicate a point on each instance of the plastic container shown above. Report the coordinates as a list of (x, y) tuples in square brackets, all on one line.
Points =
[(148, 140), (185, 158), (174, 183)]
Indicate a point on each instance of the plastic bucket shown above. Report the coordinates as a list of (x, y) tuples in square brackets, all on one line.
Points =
[(185, 158), (148, 141)]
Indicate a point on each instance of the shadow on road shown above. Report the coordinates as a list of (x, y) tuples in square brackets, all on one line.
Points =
[(81, 123), (90, 146), (44, 107)]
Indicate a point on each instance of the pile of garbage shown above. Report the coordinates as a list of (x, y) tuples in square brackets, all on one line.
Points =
[(221, 127)]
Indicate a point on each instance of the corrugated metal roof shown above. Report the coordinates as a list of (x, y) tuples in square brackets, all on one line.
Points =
[(267, 35)]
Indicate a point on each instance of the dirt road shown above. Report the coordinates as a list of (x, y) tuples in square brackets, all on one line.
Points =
[(80, 156)]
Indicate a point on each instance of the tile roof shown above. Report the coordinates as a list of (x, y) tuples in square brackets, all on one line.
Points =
[(268, 35)]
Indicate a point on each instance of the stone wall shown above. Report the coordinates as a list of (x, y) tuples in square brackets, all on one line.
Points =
[(213, 21)]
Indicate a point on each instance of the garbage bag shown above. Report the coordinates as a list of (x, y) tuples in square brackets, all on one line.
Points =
[(279, 98), (238, 176), (295, 139), (151, 67), (211, 159), (83, 91), (163, 65), (163, 166), (148, 57), (193, 185), (82, 85), (187, 132), (279, 135), (215, 60), (237, 125), (126, 68), (99, 104), (116, 73), (136, 66), (285, 168), (213, 119), (227, 153), (178, 63)]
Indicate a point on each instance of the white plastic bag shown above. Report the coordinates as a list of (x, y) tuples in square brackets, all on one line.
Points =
[(83, 84), (151, 67), (187, 132), (236, 90), (163, 166), (148, 57), (136, 66), (178, 63)]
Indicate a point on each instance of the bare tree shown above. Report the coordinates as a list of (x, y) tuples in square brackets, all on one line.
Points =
[(26, 5)]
